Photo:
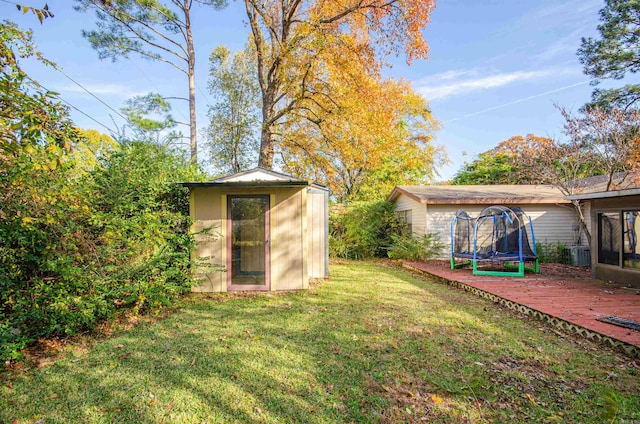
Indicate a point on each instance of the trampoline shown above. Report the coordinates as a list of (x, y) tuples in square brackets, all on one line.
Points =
[(498, 235)]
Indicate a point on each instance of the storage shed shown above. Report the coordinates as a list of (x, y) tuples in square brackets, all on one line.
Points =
[(259, 230)]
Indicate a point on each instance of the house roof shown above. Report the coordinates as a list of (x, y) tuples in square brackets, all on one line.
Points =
[(479, 194), (256, 177), (620, 182), (605, 194)]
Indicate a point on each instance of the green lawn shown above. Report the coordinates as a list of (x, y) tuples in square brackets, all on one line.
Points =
[(373, 344)]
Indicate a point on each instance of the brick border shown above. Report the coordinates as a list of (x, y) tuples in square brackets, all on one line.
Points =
[(618, 345)]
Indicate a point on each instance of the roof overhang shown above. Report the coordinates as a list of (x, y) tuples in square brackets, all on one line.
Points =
[(256, 177), (476, 200), (605, 194), (209, 184)]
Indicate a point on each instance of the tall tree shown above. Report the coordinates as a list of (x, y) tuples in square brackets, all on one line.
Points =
[(615, 53), (154, 30), (363, 147), (290, 36), (234, 116), (600, 142), (149, 119), (488, 168), (504, 163)]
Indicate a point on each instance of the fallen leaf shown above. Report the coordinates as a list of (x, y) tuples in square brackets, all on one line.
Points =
[(118, 346), (531, 399), (436, 399)]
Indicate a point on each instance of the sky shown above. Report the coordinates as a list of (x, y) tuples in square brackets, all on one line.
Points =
[(496, 68)]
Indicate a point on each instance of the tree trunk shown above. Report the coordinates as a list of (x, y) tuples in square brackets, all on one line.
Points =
[(266, 136), (583, 223), (266, 150), (191, 58)]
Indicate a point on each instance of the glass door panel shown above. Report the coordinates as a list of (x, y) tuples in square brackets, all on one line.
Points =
[(248, 220)]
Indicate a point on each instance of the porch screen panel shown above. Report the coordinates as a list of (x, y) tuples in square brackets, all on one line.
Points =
[(630, 238), (609, 231)]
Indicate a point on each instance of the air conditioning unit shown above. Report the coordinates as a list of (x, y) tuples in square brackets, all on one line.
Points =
[(579, 255)]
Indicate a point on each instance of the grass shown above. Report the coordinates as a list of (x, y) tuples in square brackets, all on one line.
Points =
[(373, 344)]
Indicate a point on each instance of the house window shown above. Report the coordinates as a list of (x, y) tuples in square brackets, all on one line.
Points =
[(618, 232), (404, 219)]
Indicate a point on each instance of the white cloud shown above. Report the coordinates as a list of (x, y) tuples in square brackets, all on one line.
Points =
[(117, 90), (563, 48), (451, 87), (452, 74)]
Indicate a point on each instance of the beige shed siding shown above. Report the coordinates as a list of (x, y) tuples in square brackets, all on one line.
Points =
[(418, 213), (317, 214), (207, 212), (288, 270), (551, 223)]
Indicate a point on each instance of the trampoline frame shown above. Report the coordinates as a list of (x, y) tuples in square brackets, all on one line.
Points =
[(514, 261)]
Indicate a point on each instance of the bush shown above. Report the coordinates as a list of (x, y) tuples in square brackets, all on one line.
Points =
[(415, 248), (553, 253), (76, 247), (82, 233), (362, 230)]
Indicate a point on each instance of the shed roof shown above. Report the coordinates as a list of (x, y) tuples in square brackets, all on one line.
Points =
[(480, 194), (256, 177)]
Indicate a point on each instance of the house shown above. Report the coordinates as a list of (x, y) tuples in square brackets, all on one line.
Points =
[(615, 227), (259, 230), (430, 209)]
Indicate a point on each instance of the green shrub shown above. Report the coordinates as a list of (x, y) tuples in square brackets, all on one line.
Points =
[(415, 248), (552, 253), (76, 247), (84, 230), (362, 230)]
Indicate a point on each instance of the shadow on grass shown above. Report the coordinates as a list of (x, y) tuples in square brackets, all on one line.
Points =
[(371, 345)]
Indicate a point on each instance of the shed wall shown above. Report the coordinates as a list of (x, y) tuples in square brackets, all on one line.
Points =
[(288, 242), (208, 212), (318, 233), (288, 267)]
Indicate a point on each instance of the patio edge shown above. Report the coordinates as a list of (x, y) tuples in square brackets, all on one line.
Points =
[(618, 345)]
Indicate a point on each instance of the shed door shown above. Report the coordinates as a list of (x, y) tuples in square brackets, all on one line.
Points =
[(248, 244)]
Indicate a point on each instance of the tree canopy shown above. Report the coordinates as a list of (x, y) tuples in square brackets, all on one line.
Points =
[(504, 164), (615, 54), (293, 40), (153, 29), (234, 121)]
